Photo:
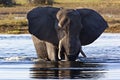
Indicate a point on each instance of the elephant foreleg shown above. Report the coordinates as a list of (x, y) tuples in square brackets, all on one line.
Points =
[(40, 47), (52, 52)]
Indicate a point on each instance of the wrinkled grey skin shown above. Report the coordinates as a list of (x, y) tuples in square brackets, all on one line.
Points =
[(60, 33), (69, 27)]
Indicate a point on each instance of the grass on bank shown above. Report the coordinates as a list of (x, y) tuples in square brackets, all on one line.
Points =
[(77, 1), (8, 23), (22, 2), (13, 26)]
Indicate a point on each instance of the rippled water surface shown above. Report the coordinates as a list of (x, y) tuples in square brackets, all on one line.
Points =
[(18, 60)]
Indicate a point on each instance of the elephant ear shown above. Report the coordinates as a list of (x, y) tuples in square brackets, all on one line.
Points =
[(93, 25), (41, 22)]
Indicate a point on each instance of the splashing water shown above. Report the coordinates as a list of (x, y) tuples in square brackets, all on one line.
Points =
[(18, 60), (20, 48)]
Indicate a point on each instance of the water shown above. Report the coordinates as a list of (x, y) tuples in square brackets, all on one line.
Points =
[(18, 60)]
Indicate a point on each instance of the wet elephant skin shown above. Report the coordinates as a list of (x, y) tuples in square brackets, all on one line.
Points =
[(60, 33)]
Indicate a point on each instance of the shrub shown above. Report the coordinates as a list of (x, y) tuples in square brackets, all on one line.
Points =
[(7, 2), (39, 2)]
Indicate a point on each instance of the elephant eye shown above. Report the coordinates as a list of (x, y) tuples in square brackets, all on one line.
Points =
[(61, 33), (61, 29)]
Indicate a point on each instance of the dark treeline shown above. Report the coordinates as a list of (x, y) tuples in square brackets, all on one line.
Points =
[(31, 2), (7, 2)]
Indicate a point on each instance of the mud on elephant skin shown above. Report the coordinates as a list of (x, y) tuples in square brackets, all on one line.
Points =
[(60, 33)]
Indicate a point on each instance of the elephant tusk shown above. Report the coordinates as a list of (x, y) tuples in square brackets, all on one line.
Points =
[(59, 25)]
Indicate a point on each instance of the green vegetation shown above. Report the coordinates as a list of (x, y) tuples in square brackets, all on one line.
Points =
[(22, 2), (13, 19)]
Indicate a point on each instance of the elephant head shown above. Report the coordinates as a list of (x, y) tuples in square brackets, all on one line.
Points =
[(69, 28), (76, 28)]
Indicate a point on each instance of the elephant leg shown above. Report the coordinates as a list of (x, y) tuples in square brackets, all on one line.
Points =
[(40, 47), (52, 52)]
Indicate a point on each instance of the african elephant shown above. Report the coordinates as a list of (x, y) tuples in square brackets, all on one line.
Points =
[(60, 33)]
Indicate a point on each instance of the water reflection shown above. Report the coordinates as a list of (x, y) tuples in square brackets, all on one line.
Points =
[(67, 70)]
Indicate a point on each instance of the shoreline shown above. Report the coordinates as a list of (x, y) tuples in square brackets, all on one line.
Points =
[(24, 30)]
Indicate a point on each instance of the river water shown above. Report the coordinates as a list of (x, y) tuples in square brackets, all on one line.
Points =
[(18, 60)]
